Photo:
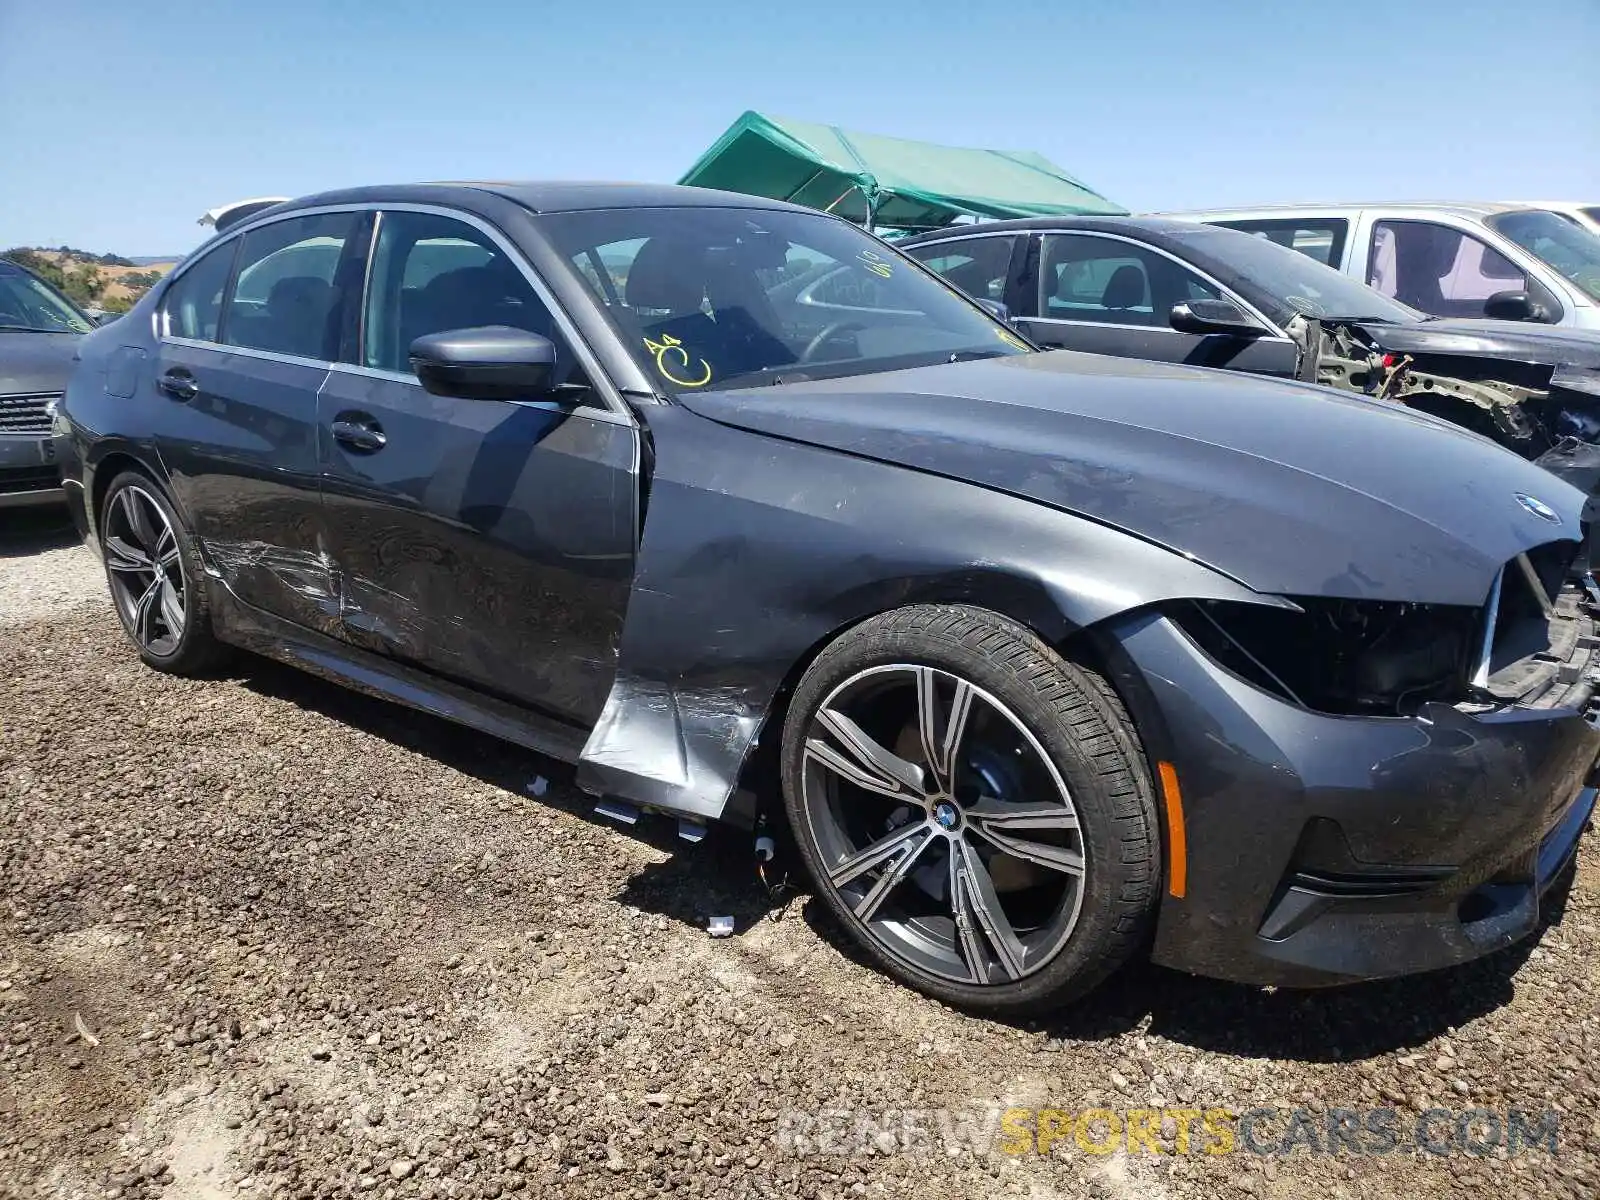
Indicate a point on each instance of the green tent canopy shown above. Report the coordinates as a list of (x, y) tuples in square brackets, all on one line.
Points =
[(886, 182)]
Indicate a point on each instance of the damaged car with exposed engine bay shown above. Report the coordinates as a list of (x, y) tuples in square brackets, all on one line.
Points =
[(1045, 660), (1178, 291)]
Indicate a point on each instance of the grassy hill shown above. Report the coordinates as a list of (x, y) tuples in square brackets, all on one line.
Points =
[(105, 281)]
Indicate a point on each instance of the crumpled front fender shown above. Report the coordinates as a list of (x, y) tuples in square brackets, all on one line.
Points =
[(757, 551)]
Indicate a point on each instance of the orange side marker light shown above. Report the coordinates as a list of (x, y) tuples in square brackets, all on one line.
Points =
[(1177, 839)]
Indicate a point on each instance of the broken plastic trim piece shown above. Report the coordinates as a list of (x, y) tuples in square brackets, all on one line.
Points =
[(720, 927), (1491, 615), (618, 810)]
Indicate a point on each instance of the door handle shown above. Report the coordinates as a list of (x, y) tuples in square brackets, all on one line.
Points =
[(363, 437), (179, 384)]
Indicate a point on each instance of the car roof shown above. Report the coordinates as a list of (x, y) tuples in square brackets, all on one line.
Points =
[(1470, 208), (541, 197), (1131, 225)]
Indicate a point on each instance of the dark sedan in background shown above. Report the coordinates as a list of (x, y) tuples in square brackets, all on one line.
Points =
[(1179, 291), (39, 333), (1046, 659)]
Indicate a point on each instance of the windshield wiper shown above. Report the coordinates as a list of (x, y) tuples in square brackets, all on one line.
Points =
[(37, 329), (974, 355)]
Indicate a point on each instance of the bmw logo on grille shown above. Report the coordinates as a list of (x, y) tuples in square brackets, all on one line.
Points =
[(1538, 508)]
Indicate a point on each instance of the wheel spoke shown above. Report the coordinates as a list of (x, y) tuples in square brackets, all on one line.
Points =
[(138, 520), (122, 557), (171, 608), (142, 609), (894, 872), (942, 732), (974, 902), (166, 551), (879, 852), (1006, 827), (865, 763)]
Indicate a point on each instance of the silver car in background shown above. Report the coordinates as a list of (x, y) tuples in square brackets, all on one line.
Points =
[(1508, 261)]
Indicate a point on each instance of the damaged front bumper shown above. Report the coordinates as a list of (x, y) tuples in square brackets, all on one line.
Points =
[(1326, 849)]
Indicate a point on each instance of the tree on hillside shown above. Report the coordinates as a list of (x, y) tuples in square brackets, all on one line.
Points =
[(83, 283)]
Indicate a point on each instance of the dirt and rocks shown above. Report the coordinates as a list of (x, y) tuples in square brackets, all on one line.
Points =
[(263, 938)]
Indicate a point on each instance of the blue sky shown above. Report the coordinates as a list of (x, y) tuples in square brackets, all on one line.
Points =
[(122, 120)]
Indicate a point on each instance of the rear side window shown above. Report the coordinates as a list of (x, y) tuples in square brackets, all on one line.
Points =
[(978, 266), (193, 303), (1319, 238), (287, 295)]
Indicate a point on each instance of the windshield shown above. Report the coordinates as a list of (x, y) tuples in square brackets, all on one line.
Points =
[(1572, 251), (1297, 282), (30, 303), (711, 298)]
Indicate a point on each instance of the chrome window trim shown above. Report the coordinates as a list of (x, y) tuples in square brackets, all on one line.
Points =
[(594, 412), (295, 360), (1227, 292), (967, 237), (1167, 329), (613, 402)]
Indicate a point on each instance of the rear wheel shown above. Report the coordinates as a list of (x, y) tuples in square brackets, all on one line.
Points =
[(155, 578), (974, 809)]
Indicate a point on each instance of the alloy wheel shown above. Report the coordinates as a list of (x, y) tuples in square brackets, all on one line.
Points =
[(942, 824), (141, 553)]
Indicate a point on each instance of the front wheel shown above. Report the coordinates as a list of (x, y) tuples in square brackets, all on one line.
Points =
[(975, 810)]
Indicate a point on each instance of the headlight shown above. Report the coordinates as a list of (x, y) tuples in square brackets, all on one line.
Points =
[(1368, 657)]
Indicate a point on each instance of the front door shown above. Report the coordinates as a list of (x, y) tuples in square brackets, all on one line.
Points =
[(248, 331), (488, 542), (1106, 295)]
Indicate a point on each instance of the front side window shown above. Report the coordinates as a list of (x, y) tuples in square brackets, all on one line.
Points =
[(1438, 269), (979, 266), (1088, 278), (192, 306), (31, 304), (735, 297), (433, 273), (1319, 238), (287, 296), (1570, 250), (1287, 283)]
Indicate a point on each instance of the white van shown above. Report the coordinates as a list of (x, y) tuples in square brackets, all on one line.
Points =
[(1514, 262)]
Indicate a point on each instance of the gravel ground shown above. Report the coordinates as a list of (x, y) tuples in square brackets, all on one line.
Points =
[(261, 937)]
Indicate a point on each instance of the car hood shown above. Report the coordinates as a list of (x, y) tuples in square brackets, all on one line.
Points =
[(35, 362), (1288, 488), (1515, 340)]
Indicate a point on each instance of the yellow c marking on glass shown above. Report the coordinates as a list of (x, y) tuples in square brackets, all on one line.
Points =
[(875, 262), (1011, 339), (671, 345)]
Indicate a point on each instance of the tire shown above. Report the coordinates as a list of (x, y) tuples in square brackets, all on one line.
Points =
[(1073, 873), (165, 612)]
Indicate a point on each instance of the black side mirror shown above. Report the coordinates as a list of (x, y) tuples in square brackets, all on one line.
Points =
[(494, 362), (995, 309), (1515, 305), (1214, 316)]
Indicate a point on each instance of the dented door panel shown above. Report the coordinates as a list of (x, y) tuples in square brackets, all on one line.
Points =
[(242, 458), (488, 542)]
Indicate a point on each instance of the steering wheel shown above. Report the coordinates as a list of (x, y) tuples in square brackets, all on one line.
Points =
[(830, 331)]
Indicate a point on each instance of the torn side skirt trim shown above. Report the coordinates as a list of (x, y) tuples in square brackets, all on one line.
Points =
[(670, 747)]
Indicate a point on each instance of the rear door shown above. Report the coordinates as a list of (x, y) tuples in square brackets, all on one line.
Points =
[(248, 331), (1108, 295), (488, 542)]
